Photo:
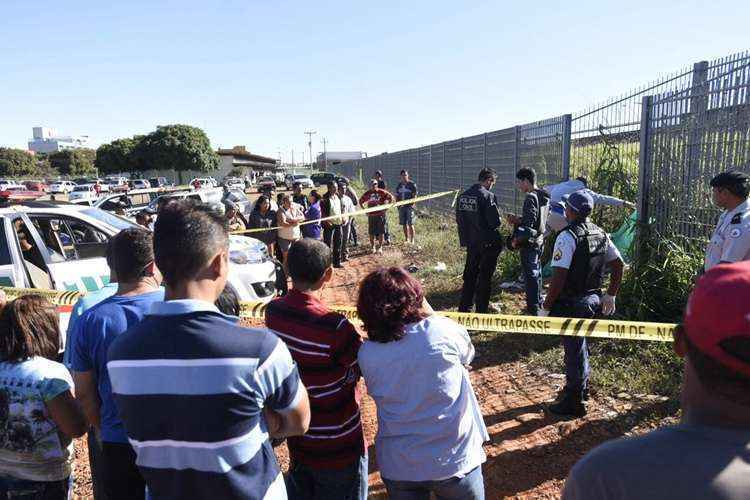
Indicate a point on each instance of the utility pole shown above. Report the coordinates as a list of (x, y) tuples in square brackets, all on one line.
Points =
[(309, 134), (292, 156), (325, 155)]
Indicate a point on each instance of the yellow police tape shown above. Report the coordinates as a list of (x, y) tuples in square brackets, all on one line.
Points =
[(501, 323), (363, 211)]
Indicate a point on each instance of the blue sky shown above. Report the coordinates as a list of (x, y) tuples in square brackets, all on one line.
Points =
[(375, 76)]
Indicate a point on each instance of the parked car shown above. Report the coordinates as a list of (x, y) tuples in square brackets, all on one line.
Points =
[(158, 182), (83, 192), (7, 183), (322, 178), (62, 187), (303, 179), (134, 200), (103, 185), (36, 186), (234, 183), (68, 245), (239, 197), (265, 183), (116, 184), (139, 184)]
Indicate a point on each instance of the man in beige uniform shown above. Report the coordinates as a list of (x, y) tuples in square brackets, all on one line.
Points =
[(730, 241)]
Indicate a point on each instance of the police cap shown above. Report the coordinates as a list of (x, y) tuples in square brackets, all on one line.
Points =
[(730, 178), (580, 202)]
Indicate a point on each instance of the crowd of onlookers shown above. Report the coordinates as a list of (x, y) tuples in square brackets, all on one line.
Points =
[(181, 401)]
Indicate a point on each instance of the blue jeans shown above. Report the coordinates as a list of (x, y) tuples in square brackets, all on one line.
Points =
[(349, 483), (469, 487), (20, 489), (576, 350), (532, 276)]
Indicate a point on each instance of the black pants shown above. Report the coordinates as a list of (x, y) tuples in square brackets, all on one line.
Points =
[(478, 270), (95, 465), (345, 232), (122, 479), (332, 238), (352, 233)]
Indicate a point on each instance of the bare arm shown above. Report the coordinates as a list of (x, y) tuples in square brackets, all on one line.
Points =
[(67, 414), (88, 396), (616, 278), (559, 275), (292, 422)]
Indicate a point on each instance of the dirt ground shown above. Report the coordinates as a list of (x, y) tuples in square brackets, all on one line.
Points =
[(530, 452)]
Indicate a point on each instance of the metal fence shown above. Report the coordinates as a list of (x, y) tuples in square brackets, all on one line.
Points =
[(455, 164), (660, 144), (689, 134)]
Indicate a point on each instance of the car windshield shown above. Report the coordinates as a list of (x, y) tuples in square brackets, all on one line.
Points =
[(300, 177), (82, 188), (236, 196), (110, 219), (267, 179)]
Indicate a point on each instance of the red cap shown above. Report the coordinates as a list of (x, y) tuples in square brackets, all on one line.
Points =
[(719, 309)]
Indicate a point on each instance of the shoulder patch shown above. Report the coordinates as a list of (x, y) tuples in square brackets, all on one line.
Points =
[(735, 233), (737, 219), (558, 255)]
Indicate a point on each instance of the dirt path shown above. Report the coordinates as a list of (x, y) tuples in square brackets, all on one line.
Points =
[(530, 452)]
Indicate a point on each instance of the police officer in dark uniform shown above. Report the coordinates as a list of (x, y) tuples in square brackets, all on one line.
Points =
[(579, 260), (478, 220)]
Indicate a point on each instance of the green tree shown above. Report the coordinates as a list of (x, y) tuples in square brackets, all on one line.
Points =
[(74, 162), (177, 147), (119, 156), (16, 162)]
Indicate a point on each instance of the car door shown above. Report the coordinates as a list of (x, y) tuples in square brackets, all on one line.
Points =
[(75, 252), (12, 271)]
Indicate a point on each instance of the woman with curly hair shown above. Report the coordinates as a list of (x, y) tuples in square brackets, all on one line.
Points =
[(38, 415), (430, 427)]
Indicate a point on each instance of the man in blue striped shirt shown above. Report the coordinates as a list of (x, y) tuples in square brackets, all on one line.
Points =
[(199, 395)]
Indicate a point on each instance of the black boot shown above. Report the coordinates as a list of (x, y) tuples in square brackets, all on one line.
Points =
[(569, 405)]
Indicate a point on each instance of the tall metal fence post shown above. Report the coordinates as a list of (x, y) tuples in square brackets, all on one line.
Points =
[(484, 152), (461, 166), (644, 171), (567, 121), (516, 163), (698, 111)]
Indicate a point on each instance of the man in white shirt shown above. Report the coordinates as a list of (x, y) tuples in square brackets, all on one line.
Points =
[(730, 241), (347, 207), (556, 220)]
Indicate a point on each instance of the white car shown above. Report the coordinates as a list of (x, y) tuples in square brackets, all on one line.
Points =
[(139, 184), (6, 184), (303, 179), (62, 247), (62, 187), (83, 192), (234, 184)]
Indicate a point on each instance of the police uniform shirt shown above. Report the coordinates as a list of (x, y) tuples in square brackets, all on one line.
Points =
[(730, 241), (565, 247)]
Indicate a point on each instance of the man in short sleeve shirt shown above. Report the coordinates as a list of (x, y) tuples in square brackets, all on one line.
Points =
[(730, 241)]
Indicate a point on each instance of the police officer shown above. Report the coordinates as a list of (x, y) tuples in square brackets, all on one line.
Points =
[(478, 220), (730, 241), (579, 260)]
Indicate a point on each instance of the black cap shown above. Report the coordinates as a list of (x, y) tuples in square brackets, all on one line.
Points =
[(730, 178)]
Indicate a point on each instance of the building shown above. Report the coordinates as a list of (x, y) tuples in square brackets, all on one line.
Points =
[(240, 157), (46, 140), (335, 157)]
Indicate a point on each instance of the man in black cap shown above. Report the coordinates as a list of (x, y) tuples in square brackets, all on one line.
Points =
[(579, 261), (730, 241), (145, 218), (478, 220)]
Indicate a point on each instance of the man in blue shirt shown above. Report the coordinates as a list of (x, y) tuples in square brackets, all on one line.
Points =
[(132, 258), (199, 395)]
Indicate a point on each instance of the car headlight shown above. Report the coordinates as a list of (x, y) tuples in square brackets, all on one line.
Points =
[(245, 250)]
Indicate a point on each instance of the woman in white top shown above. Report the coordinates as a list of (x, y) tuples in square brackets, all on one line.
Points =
[(290, 214), (430, 427), (38, 415)]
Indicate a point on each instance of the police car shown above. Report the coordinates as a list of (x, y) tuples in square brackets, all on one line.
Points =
[(60, 246)]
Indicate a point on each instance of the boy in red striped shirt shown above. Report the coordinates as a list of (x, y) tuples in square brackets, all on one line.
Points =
[(330, 461)]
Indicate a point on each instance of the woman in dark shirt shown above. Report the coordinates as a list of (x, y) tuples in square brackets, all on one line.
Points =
[(263, 217), (313, 230)]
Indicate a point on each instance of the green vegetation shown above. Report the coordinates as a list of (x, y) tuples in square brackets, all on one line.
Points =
[(73, 162), (16, 162), (169, 147)]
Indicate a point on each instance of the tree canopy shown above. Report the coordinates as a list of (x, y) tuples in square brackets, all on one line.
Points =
[(16, 162), (73, 162), (177, 147), (118, 156)]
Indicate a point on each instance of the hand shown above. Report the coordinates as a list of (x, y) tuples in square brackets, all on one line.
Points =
[(542, 312), (426, 307), (273, 421), (608, 305)]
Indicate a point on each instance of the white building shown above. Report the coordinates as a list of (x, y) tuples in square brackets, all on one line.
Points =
[(336, 157), (46, 140)]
